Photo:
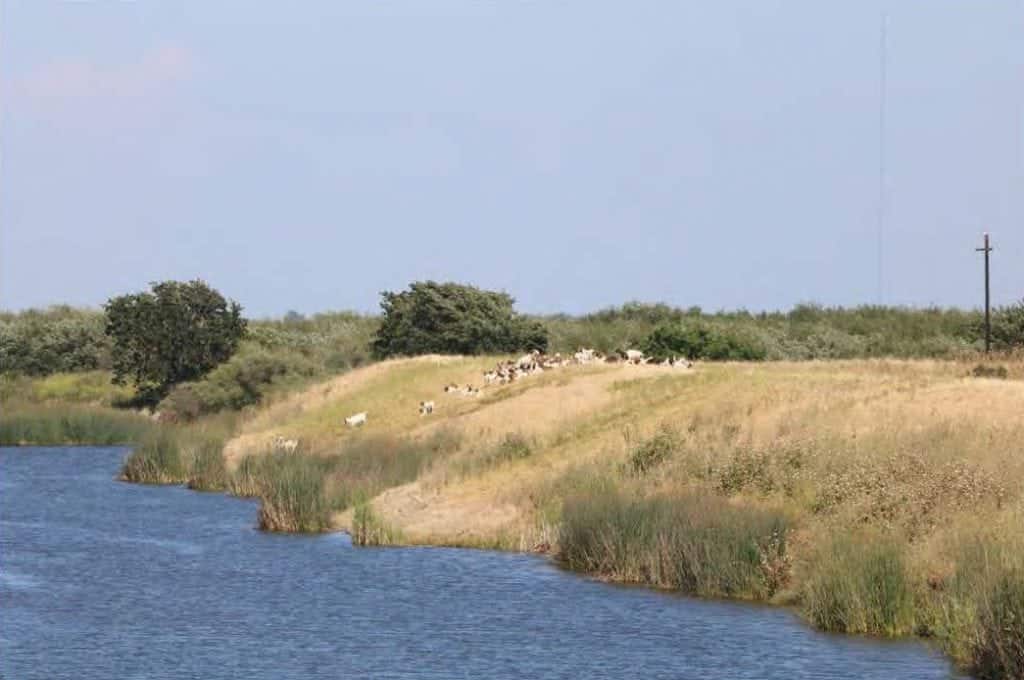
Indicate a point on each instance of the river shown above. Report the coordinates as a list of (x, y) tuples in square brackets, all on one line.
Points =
[(110, 581)]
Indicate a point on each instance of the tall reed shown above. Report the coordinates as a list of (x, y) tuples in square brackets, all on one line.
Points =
[(978, 615), (157, 459), (860, 584), (686, 540), (70, 425)]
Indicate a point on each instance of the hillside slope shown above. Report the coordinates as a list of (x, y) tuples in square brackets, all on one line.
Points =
[(588, 418)]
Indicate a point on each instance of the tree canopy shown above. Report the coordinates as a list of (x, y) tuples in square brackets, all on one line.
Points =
[(451, 318), (173, 333)]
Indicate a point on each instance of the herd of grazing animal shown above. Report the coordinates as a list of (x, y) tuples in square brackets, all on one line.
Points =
[(510, 371)]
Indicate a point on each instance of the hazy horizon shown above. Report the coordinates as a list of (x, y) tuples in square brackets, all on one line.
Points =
[(578, 155)]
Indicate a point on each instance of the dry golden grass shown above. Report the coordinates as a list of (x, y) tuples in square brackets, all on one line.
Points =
[(855, 421)]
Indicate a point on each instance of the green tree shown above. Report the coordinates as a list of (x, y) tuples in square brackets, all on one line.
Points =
[(177, 332), (449, 318)]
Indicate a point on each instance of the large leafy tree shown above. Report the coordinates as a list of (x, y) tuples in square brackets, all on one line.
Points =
[(450, 318), (177, 331)]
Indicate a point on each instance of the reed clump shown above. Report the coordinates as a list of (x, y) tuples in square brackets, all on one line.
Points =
[(175, 454), (207, 471), (157, 459), (368, 529), (300, 492), (860, 584), (977, 611), (293, 494), (681, 539)]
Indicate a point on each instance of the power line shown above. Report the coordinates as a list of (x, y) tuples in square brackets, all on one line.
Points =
[(883, 68)]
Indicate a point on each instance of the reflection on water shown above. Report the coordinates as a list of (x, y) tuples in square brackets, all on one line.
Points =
[(103, 580)]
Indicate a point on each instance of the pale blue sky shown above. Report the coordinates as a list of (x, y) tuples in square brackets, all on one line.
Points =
[(577, 154)]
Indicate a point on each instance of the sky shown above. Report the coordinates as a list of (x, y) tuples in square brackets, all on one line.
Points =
[(576, 154)]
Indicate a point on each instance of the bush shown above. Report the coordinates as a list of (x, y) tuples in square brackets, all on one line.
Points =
[(697, 340), (244, 380), (1007, 327), (449, 318), (59, 339), (649, 453), (337, 341)]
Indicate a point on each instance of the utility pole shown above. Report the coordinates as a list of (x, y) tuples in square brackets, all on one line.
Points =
[(988, 318)]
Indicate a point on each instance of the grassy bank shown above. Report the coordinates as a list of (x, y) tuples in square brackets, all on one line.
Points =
[(851, 490)]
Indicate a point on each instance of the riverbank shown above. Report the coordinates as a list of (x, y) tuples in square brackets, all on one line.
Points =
[(879, 497)]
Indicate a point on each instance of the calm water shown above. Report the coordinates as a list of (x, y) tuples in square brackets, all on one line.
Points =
[(103, 580)]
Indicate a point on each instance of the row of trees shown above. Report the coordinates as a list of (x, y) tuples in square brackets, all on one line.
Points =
[(177, 333)]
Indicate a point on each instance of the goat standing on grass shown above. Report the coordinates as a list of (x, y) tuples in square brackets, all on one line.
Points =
[(283, 445), (426, 408)]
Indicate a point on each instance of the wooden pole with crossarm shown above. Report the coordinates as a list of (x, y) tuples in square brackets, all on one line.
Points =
[(988, 319)]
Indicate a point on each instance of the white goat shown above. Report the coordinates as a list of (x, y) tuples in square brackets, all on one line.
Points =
[(356, 420), (634, 356), (285, 445), (426, 408)]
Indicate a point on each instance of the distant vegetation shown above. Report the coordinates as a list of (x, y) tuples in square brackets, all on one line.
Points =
[(188, 353), (808, 331), (55, 340)]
